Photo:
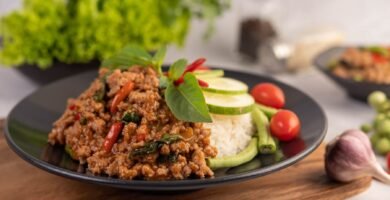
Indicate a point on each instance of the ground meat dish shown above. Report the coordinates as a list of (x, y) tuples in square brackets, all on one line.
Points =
[(87, 119), (364, 64)]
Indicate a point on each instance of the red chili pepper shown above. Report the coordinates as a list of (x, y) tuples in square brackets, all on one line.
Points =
[(194, 65), (202, 83), (202, 67), (121, 95), (179, 81), (112, 136), (77, 116), (72, 107), (378, 58), (190, 68)]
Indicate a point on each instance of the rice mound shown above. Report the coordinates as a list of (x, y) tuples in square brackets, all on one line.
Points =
[(230, 134)]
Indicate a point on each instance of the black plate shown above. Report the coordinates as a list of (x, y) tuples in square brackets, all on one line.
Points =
[(357, 90), (30, 121)]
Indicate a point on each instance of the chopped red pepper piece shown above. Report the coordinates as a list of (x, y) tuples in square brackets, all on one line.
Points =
[(112, 136), (121, 95), (378, 58), (72, 107), (77, 116)]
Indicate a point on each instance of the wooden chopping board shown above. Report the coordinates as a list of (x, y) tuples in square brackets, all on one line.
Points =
[(304, 180)]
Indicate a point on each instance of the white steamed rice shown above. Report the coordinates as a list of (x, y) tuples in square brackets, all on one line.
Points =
[(230, 134)]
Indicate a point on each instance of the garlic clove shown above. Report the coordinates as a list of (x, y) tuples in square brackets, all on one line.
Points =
[(349, 157)]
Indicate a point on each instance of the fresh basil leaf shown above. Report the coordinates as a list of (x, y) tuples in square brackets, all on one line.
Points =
[(135, 50), (169, 139), (177, 69), (163, 83), (158, 58), (186, 101), (130, 55), (149, 148)]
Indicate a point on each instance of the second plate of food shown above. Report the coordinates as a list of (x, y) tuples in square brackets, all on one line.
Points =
[(139, 128), (358, 70)]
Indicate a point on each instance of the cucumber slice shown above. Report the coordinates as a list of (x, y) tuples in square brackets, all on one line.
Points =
[(223, 85), (229, 104), (209, 73)]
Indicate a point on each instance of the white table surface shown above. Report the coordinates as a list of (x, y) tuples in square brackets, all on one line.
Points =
[(220, 50)]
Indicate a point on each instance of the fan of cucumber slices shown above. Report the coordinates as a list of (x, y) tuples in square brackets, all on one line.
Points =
[(225, 96)]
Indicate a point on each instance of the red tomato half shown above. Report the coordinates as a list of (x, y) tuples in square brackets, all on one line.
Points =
[(268, 94), (285, 125)]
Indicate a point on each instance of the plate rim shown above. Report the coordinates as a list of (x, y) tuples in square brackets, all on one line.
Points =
[(169, 185)]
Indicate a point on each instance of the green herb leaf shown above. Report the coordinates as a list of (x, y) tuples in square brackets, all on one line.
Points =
[(169, 139), (152, 147), (72, 31), (177, 69), (128, 56), (131, 117), (186, 101), (149, 148), (379, 50), (158, 58)]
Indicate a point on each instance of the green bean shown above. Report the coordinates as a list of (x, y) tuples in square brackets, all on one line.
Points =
[(366, 128), (231, 161), (382, 146), (377, 99), (269, 111), (251, 165), (266, 143)]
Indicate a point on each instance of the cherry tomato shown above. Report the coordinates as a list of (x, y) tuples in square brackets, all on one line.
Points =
[(388, 161), (285, 125), (268, 94)]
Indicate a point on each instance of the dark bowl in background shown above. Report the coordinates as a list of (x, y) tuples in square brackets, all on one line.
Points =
[(57, 71), (356, 90)]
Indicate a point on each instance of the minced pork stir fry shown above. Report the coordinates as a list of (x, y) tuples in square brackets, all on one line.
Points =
[(121, 126)]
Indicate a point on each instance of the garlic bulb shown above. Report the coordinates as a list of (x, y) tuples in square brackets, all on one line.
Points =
[(349, 157)]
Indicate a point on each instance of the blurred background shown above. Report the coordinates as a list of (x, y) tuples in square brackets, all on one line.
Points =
[(44, 40)]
